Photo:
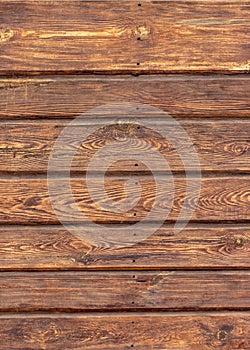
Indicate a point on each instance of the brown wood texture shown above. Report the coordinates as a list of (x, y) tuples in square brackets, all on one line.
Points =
[(158, 36), (53, 247), (221, 145), (134, 290), (187, 290), (190, 331), (179, 95), (221, 199)]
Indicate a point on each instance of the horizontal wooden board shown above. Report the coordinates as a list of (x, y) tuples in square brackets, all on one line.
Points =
[(27, 201), (195, 247), (190, 331), (220, 145), (134, 290), (180, 96), (158, 36)]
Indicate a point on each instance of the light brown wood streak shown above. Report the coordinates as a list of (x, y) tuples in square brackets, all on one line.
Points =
[(180, 96), (174, 36), (222, 198), (53, 247), (82, 291), (204, 331), (220, 146)]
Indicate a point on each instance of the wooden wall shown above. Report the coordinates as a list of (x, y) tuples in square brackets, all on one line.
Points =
[(191, 290)]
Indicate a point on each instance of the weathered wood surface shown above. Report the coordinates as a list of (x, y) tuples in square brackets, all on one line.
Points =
[(163, 36), (53, 247), (179, 95), (134, 290), (220, 145), (186, 331), (169, 282), (221, 199)]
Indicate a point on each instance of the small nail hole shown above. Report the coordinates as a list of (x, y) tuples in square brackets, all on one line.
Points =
[(139, 4), (132, 345), (133, 276), (134, 214), (138, 127), (138, 63), (133, 302), (133, 322), (136, 164), (133, 260), (138, 38)]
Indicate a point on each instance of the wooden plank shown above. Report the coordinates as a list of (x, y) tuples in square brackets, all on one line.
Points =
[(134, 290), (188, 331), (53, 247), (158, 36), (221, 198), (180, 96), (221, 146)]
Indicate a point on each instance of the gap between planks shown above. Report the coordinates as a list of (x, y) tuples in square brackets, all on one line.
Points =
[(44, 314)]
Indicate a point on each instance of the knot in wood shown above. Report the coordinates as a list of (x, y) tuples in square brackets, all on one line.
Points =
[(142, 32), (239, 242), (6, 34), (221, 335)]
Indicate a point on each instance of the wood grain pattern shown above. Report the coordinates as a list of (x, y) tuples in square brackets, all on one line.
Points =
[(53, 247), (221, 198), (173, 291), (190, 331), (179, 95), (165, 36), (221, 146), (82, 291)]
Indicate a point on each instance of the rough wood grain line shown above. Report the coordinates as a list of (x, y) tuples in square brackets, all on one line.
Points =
[(180, 96), (84, 36), (189, 331), (221, 198), (53, 247), (124, 290), (221, 146)]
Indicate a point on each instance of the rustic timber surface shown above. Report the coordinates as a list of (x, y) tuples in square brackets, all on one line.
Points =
[(197, 331), (158, 36), (170, 291)]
